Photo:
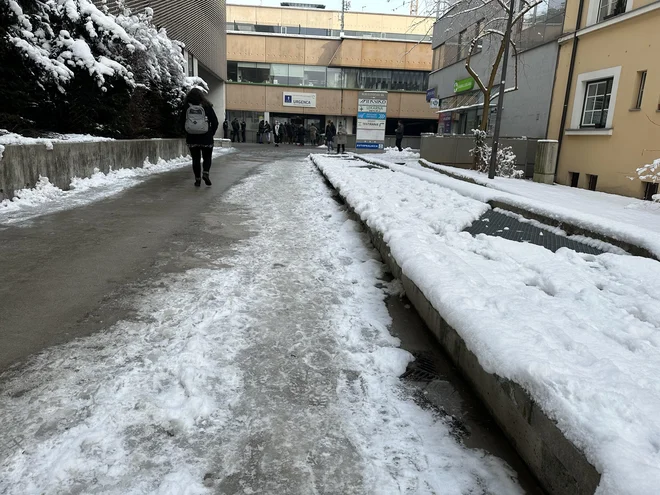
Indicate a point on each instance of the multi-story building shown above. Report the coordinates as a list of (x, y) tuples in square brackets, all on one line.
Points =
[(276, 53), (200, 25), (525, 111), (605, 106)]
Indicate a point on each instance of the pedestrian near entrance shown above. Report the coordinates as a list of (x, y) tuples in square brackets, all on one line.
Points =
[(313, 131), (260, 132), (330, 132), (267, 130), (342, 138), (301, 135), (277, 133), (399, 135), (200, 123), (225, 129), (243, 127), (235, 129)]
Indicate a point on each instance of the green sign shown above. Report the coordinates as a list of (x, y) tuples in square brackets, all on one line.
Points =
[(461, 85)]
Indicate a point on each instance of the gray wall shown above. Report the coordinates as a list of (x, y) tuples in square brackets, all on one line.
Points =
[(21, 165)]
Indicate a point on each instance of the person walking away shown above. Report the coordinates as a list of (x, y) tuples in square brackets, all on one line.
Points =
[(260, 132), (312, 134), (276, 134), (243, 127), (342, 138), (200, 123), (329, 135), (235, 127), (267, 130), (399, 135), (225, 129)]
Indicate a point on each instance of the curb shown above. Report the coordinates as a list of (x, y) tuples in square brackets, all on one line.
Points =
[(560, 467)]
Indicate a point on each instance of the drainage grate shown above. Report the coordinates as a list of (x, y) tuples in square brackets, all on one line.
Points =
[(497, 224), (422, 369)]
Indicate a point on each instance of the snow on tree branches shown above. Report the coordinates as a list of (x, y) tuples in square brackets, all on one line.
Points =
[(506, 159)]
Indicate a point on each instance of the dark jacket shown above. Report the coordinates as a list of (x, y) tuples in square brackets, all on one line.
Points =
[(399, 131), (202, 139), (243, 125), (330, 132)]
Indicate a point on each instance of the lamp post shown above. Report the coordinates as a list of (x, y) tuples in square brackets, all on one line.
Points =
[(500, 97)]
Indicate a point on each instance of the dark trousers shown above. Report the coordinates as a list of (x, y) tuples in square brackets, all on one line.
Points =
[(341, 148), (243, 134), (398, 143), (197, 153)]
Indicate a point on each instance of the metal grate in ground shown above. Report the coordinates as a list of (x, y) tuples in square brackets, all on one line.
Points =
[(500, 225), (422, 369)]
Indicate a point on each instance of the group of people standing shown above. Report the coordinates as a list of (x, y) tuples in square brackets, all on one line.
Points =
[(334, 136), (237, 134)]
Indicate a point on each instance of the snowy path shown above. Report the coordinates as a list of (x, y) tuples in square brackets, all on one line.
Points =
[(270, 371)]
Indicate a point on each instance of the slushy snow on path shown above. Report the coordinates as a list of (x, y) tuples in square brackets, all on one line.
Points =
[(270, 371), (580, 333)]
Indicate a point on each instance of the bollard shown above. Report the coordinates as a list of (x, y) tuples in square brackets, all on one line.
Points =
[(545, 163)]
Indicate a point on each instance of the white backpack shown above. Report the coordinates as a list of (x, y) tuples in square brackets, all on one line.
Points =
[(196, 120)]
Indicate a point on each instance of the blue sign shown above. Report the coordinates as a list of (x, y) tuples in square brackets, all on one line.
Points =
[(288, 99), (372, 116), (369, 146), (430, 94)]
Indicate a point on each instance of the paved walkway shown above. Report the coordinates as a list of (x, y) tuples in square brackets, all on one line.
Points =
[(236, 342)]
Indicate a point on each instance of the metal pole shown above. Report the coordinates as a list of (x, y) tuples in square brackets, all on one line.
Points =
[(500, 97)]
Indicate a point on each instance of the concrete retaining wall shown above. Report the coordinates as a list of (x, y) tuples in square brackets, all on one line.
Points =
[(559, 466), (408, 141), (455, 150), (21, 165)]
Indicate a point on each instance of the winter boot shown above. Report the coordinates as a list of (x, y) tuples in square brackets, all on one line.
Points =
[(205, 176), (198, 182)]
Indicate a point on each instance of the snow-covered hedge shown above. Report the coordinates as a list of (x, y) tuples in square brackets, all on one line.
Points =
[(73, 67)]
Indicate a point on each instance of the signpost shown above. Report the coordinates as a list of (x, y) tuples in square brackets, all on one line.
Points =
[(461, 85), (371, 119), (305, 100)]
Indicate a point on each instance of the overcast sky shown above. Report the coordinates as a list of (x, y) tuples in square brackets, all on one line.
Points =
[(383, 6)]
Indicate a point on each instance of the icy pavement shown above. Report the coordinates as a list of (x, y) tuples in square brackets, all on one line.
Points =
[(580, 333), (271, 371)]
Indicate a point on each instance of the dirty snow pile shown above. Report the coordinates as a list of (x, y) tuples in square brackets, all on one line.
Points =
[(580, 333), (269, 371), (393, 154), (626, 219), (46, 198), (7, 137)]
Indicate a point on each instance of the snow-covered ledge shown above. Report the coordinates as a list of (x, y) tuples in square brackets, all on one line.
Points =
[(589, 132)]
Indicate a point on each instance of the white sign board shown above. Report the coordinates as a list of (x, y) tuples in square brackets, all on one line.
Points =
[(371, 119), (305, 100), (435, 103)]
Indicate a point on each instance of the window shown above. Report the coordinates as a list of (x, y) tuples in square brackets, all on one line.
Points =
[(232, 71), (437, 54), (650, 190), (641, 82), (596, 103), (279, 74), (477, 31), (462, 45), (253, 73), (296, 75), (314, 76), (610, 8), (350, 78), (374, 79), (593, 179), (334, 77), (191, 65), (575, 178)]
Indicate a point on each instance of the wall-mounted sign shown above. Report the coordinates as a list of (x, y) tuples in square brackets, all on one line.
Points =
[(461, 85), (435, 103), (430, 94), (371, 119), (306, 100)]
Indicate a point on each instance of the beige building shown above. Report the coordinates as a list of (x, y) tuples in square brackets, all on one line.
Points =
[(273, 52), (608, 122)]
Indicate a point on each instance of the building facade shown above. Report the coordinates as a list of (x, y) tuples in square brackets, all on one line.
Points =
[(275, 54), (525, 111), (606, 99), (201, 26)]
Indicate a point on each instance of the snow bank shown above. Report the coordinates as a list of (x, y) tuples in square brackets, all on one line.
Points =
[(7, 137), (46, 198), (625, 219), (579, 332)]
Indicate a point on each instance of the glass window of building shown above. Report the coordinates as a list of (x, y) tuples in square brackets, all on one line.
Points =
[(296, 75), (314, 75), (253, 73), (597, 103), (232, 71), (334, 77), (374, 79), (350, 78), (279, 73)]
